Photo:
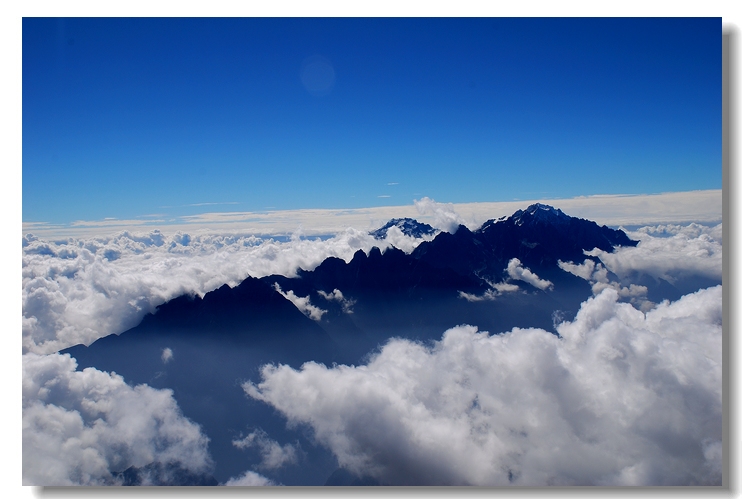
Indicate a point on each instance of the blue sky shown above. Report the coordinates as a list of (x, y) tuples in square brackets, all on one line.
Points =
[(132, 117)]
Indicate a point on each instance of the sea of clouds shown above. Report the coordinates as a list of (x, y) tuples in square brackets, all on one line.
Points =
[(626, 395)]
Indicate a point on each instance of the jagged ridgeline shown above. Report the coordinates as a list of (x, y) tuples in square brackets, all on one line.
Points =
[(217, 341)]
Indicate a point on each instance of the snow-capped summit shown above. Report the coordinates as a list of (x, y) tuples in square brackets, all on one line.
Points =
[(540, 213), (408, 226)]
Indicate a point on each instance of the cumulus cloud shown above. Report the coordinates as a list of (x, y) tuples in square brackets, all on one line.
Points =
[(78, 290), (337, 296), (516, 271), (444, 215), (620, 397), (249, 479), (668, 252), (80, 428), (167, 355), (302, 303), (584, 270), (273, 454)]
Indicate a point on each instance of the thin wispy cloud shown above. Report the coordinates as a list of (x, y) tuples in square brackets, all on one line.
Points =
[(112, 222), (211, 204)]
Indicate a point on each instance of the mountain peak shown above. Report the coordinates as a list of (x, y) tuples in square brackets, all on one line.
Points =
[(542, 213), (408, 226)]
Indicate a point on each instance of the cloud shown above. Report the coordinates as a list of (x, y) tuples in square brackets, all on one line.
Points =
[(302, 303), (80, 428), (621, 398), (78, 290), (249, 479), (491, 294), (516, 271), (444, 214), (584, 270), (273, 454), (213, 204), (668, 252), (597, 275), (167, 355), (488, 295), (337, 296)]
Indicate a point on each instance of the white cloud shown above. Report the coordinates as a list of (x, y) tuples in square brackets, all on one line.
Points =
[(488, 295), (597, 275), (337, 296), (584, 270), (80, 427), (167, 355), (302, 303), (273, 454), (668, 252), (496, 289), (516, 271), (622, 398), (444, 214), (249, 479)]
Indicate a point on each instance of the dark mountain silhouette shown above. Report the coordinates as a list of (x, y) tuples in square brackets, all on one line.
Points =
[(408, 226)]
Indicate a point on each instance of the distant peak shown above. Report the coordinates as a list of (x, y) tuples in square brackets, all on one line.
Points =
[(538, 212), (538, 207), (408, 226)]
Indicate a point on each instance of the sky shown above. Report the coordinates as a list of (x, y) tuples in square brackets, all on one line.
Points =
[(148, 119)]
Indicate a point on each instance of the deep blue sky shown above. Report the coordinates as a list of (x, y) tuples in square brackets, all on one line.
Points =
[(129, 117)]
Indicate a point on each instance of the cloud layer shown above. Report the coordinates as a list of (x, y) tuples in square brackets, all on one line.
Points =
[(668, 252), (82, 427), (674, 207), (621, 398)]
